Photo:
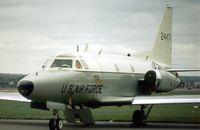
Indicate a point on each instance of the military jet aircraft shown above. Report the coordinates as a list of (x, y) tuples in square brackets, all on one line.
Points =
[(77, 82)]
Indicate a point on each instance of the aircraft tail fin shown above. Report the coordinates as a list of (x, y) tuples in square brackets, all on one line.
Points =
[(162, 48)]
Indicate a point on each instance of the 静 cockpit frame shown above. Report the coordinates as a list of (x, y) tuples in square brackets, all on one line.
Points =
[(65, 63)]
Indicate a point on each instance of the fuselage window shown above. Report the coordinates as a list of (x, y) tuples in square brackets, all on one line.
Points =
[(132, 68), (78, 65), (65, 63), (116, 67), (84, 64)]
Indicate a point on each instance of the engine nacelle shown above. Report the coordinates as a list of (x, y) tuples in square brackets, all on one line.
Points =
[(161, 81)]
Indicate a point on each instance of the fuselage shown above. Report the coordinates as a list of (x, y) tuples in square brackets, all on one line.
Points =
[(86, 80)]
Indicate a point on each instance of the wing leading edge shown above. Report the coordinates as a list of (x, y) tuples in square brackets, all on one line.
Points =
[(171, 99), (152, 100), (12, 96)]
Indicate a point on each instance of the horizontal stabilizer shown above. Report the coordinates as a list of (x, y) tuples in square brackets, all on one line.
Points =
[(182, 70), (171, 99)]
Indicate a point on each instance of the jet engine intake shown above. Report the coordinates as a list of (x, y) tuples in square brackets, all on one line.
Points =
[(161, 81)]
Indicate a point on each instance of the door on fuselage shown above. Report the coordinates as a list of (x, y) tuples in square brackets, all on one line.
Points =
[(94, 78), (88, 83)]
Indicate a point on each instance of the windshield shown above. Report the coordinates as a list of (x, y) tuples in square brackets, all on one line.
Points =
[(62, 63)]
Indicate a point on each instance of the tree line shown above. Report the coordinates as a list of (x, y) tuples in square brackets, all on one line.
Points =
[(10, 80)]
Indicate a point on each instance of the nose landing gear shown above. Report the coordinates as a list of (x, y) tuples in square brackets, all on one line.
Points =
[(55, 123)]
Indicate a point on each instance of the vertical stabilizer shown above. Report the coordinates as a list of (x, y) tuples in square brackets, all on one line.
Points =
[(162, 48)]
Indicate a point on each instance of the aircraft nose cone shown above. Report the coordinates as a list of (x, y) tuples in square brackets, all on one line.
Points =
[(25, 88)]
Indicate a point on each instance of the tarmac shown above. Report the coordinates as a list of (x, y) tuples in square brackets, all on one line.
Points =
[(43, 125)]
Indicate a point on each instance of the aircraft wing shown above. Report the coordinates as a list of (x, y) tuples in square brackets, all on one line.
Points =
[(15, 96), (170, 99), (12, 96), (153, 100), (138, 100), (113, 100)]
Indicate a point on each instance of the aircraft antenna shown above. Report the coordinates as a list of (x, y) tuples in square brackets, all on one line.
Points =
[(77, 48), (100, 52), (147, 57)]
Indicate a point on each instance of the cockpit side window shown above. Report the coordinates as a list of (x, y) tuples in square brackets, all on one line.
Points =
[(67, 63), (84, 64), (78, 65)]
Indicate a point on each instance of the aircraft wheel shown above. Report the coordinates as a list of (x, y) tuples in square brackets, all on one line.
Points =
[(138, 118), (59, 124), (52, 124)]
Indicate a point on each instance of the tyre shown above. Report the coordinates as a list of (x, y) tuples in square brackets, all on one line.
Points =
[(138, 118), (52, 124), (59, 124)]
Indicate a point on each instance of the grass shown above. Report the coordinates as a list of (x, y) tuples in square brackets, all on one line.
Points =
[(183, 113), (19, 110), (160, 113)]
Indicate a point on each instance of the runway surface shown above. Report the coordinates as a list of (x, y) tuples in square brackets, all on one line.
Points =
[(43, 125)]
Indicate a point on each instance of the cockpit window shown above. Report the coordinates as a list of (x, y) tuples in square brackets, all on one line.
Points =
[(67, 63), (78, 65), (84, 64)]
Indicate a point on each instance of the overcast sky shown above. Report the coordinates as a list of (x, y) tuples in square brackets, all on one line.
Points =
[(32, 31)]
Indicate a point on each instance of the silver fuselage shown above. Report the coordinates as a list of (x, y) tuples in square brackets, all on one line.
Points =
[(88, 87)]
